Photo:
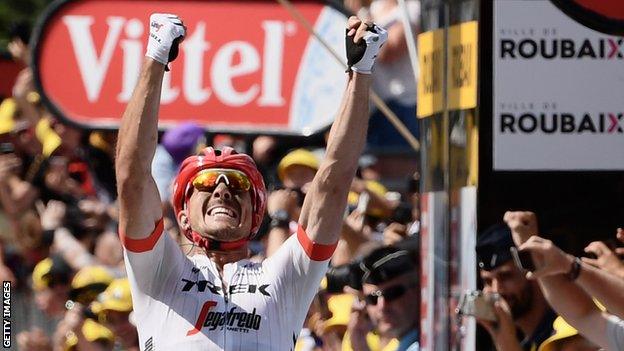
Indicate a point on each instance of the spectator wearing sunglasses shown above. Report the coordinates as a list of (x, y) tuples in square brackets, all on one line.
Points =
[(391, 303), (523, 311)]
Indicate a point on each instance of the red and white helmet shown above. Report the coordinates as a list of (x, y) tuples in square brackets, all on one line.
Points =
[(225, 158)]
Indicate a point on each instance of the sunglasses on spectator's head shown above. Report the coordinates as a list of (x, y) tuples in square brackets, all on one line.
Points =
[(389, 294), (208, 179)]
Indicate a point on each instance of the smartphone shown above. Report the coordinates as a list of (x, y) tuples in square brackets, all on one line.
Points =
[(6, 148), (522, 259), (478, 304), (363, 201)]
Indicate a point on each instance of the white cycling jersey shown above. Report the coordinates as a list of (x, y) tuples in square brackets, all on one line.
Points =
[(180, 302)]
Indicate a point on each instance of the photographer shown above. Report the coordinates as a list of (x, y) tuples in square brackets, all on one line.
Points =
[(78, 329), (569, 285), (114, 308), (521, 305)]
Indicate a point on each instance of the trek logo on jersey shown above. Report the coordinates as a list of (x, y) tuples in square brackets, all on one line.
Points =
[(202, 285), (238, 321)]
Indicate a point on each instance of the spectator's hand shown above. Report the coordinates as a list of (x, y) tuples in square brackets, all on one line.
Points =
[(57, 178), (355, 221), (358, 185), (9, 164), (71, 323), (7, 275), (19, 51), (620, 236), (548, 258), (74, 317), (359, 325), (34, 340), (523, 225), (282, 199), (52, 215), (503, 331), (24, 84), (605, 258), (92, 207), (394, 233)]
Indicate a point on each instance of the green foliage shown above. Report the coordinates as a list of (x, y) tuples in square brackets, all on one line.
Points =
[(12, 11)]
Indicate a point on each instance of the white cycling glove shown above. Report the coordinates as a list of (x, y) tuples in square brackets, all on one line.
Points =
[(166, 33), (361, 56)]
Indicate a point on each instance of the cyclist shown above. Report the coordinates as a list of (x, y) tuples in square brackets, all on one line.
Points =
[(221, 300)]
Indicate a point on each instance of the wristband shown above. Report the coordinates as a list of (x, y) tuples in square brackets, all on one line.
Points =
[(575, 269)]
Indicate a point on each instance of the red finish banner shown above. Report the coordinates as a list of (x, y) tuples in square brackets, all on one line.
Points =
[(606, 16), (244, 66)]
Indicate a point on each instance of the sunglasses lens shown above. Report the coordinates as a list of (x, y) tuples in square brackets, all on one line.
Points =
[(207, 180), (389, 294), (394, 293), (371, 299), (239, 181)]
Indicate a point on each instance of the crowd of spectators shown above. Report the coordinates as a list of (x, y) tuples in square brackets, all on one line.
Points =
[(550, 300), (59, 245)]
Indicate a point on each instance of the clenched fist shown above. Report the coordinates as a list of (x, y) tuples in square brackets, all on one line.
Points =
[(166, 33), (523, 225), (363, 41)]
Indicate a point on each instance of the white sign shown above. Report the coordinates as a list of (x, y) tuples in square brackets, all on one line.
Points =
[(434, 308), (558, 91)]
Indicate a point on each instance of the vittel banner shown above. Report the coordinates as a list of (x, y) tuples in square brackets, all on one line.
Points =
[(558, 91), (245, 66)]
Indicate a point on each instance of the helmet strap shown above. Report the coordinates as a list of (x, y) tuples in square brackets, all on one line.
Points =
[(215, 245)]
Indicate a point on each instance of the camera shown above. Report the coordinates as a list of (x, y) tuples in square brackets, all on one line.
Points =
[(477, 304), (522, 259), (6, 148), (349, 274)]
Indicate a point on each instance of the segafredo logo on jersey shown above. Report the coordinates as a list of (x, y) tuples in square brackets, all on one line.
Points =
[(562, 48), (561, 123), (228, 76), (234, 319)]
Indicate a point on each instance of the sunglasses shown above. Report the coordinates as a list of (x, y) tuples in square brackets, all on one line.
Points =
[(208, 179), (390, 294)]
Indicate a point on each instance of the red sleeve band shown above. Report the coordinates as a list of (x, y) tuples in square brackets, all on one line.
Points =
[(316, 251), (144, 244)]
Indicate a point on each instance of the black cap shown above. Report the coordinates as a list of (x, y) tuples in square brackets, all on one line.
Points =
[(386, 263), (493, 247), (60, 272)]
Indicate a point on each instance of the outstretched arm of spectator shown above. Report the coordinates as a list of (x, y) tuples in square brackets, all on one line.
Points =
[(324, 205), (139, 201), (16, 195), (567, 298)]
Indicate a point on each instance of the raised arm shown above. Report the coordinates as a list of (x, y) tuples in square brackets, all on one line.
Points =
[(323, 209), (139, 202), (567, 295)]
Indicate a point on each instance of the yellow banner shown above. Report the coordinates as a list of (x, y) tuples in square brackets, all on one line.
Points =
[(431, 67), (462, 66)]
